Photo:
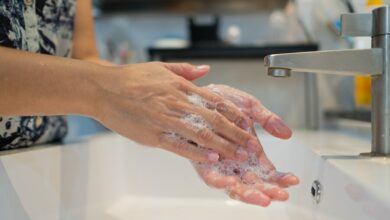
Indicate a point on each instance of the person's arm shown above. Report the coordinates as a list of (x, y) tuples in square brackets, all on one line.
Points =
[(84, 40), (147, 102), (34, 84)]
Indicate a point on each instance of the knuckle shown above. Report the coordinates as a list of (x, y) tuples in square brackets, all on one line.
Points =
[(170, 99), (162, 138), (180, 84), (216, 99), (165, 121), (217, 120), (239, 120), (181, 146), (204, 135), (221, 107)]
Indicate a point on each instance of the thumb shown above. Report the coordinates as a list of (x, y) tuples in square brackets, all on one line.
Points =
[(187, 70)]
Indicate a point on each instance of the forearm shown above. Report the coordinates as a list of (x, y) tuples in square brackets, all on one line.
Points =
[(98, 60), (34, 84)]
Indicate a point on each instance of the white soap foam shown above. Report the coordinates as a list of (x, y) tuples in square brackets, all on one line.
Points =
[(196, 100), (196, 121), (174, 136), (180, 139), (238, 168)]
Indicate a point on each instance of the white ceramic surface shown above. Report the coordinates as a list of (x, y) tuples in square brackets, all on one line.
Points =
[(110, 178)]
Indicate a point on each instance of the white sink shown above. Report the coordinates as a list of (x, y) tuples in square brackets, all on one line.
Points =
[(110, 178)]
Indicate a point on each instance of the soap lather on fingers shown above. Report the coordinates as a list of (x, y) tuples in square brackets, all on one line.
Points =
[(255, 180), (155, 95)]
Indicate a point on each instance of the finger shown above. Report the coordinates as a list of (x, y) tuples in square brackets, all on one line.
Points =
[(217, 180), (249, 195), (180, 146), (187, 70), (195, 128), (272, 191), (205, 137), (253, 108), (224, 107), (226, 129), (270, 122), (288, 180), (239, 98), (233, 114), (284, 179)]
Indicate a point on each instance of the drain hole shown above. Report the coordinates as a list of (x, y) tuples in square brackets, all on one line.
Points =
[(313, 191)]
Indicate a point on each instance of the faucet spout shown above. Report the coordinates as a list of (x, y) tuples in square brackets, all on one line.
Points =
[(339, 62), (279, 72)]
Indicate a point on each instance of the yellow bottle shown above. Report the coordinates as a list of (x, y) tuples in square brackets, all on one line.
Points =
[(363, 91), (374, 2), (363, 83)]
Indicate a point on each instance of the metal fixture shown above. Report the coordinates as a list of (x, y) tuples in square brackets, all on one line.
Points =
[(374, 62), (312, 110), (316, 191)]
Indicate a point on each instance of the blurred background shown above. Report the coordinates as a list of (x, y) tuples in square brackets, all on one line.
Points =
[(233, 36)]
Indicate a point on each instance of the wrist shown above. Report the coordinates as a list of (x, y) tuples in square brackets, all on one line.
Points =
[(95, 96), (89, 92)]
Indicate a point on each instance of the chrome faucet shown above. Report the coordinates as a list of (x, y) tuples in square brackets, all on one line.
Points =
[(373, 62)]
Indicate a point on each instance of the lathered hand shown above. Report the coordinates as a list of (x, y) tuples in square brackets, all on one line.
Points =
[(254, 181)]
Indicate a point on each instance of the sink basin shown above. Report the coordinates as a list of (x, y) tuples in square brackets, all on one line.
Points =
[(108, 177)]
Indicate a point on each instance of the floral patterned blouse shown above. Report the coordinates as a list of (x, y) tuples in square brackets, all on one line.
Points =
[(39, 26)]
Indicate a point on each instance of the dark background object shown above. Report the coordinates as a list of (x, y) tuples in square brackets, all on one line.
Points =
[(221, 51), (202, 33), (358, 115), (188, 5), (350, 7)]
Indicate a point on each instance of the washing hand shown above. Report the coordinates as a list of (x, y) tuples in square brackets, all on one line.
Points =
[(153, 104), (255, 180)]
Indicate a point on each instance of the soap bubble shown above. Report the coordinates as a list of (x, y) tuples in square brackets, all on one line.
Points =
[(225, 166), (196, 121), (196, 100)]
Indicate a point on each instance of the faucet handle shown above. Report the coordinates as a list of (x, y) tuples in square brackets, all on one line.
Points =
[(356, 25)]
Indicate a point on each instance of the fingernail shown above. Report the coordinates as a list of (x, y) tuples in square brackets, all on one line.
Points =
[(280, 130), (241, 154), (253, 145), (213, 157), (203, 67)]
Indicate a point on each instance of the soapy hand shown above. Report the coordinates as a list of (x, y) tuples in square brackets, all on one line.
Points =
[(153, 104), (256, 180)]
